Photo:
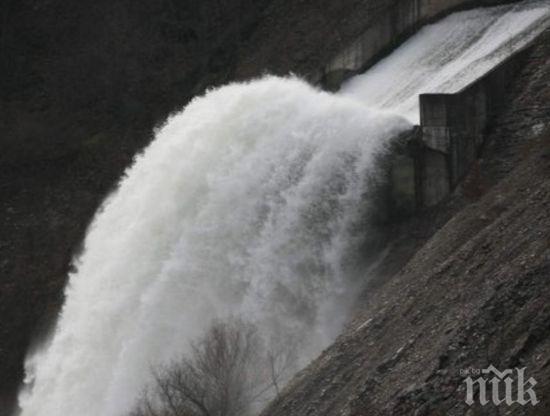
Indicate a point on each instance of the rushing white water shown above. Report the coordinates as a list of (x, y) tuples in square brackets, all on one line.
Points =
[(448, 55), (248, 203), (245, 205)]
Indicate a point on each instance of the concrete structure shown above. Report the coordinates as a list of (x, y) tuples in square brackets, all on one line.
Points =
[(404, 175), (428, 165), (390, 24), (453, 128)]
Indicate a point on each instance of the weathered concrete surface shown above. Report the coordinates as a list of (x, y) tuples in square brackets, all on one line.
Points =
[(452, 132), (435, 181), (403, 179), (389, 22), (454, 127)]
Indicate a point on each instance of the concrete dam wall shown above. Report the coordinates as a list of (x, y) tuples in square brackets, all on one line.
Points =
[(429, 164), (391, 23), (449, 80), (453, 128)]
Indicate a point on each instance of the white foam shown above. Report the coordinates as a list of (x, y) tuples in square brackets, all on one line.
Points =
[(244, 205)]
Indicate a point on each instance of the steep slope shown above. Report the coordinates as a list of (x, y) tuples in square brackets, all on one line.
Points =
[(475, 294)]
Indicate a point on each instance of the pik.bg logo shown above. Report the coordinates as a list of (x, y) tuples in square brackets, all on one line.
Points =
[(506, 387)]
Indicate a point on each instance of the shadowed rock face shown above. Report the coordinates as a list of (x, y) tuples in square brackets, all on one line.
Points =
[(82, 84), (474, 293)]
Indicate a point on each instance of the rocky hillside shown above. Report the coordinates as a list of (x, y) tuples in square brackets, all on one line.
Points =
[(475, 293)]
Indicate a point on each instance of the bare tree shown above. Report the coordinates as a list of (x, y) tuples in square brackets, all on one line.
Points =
[(230, 372)]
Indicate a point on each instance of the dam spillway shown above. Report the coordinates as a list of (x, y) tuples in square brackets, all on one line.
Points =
[(446, 56), (248, 203)]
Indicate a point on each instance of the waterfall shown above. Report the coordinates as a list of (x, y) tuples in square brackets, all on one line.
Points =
[(245, 205), (249, 203)]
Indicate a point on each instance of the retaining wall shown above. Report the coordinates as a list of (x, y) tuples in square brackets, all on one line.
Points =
[(449, 139)]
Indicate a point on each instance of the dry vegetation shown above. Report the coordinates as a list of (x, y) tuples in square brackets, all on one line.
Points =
[(231, 371)]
